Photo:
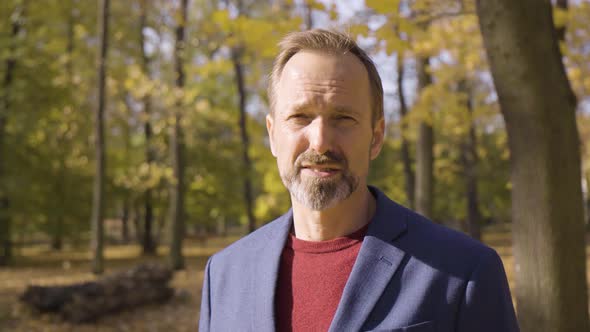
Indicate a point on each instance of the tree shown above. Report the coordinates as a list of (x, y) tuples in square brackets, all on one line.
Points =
[(246, 162), (148, 244), (539, 107), (409, 179), (177, 148), (237, 54), (99, 179), (469, 160), (308, 14), (5, 106), (61, 137), (424, 145)]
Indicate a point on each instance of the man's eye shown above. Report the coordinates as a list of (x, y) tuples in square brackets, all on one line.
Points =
[(298, 117), (345, 118)]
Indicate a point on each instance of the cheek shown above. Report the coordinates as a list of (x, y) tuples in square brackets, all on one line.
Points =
[(358, 155), (289, 146)]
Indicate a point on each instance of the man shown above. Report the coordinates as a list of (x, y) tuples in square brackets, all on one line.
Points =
[(345, 257)]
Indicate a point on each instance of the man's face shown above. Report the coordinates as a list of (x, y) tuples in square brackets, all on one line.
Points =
[(321, 131)]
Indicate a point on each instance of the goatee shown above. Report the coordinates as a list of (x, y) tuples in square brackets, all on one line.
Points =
[(317, 193)]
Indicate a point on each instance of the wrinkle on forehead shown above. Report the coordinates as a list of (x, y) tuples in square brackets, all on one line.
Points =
[(327, 86)]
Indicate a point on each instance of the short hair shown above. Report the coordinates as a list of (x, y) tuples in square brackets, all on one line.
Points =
[(329, 41)]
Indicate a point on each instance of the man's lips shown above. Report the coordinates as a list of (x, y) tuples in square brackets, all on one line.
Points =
[(321, 170), (321, 167)]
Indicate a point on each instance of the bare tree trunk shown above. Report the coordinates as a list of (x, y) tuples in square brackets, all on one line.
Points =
[(148, 244), (405, 148), (98, 196), (469, 160), (60, 183), (70, 43), (177, 145), (125, 221), (539, 108), (424, 153), (136, 218), (246, 162), (308, 14), (128, 206), (5, 218), (59, 187)]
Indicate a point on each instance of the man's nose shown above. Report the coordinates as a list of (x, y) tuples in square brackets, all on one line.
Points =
[(320, 136)]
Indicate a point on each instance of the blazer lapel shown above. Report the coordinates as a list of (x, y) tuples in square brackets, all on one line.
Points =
[(266, 274), (377, 261)]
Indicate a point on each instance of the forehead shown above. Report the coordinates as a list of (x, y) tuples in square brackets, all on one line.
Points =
[(320, 77)]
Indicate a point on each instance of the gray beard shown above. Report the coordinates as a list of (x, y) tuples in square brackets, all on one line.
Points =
[(319, 194)]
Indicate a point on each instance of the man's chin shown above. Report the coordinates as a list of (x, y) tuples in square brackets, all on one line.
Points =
[(320, 194)]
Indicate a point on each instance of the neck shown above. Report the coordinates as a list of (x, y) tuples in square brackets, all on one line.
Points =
[(340, 220)]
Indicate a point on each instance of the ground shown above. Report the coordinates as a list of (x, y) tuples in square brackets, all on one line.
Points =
[(41, 267)]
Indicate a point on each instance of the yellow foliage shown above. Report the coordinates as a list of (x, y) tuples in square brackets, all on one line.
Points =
[(221, 19), (358, 29), (317, 5), (560, 17), (383, 7), (80, 31)]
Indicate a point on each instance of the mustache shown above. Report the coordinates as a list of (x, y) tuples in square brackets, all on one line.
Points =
[(329, 157)]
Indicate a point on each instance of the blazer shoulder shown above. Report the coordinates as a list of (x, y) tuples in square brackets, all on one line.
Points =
[(272, 231), (441, 245)]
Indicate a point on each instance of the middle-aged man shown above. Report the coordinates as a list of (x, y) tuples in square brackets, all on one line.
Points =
[(345, 257)]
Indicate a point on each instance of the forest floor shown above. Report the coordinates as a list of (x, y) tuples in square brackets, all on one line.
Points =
[(39, 266)]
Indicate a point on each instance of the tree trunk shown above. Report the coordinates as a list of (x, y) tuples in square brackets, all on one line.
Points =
[(61, 180), (469, 160), (57, 238), (177, 145), (308, 14), (70, 44), (148, 244), (424, 153), (98, 194), (246, 162), (136, 218), (539, 107), (129, 209), (125, 221), (5, 218), (405, 148)]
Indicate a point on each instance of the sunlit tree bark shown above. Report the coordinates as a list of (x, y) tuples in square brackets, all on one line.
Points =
[(177, 148), (539, 109), (99, 178)]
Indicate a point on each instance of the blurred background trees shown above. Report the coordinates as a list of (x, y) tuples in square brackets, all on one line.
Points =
[(186, 149)]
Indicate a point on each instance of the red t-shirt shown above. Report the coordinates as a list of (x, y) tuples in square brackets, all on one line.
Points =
[(311, 279)]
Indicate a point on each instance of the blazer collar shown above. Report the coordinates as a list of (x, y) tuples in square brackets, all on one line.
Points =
[(267, 271), (377, 261)]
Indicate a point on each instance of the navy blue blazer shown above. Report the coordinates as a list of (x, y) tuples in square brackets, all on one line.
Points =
[(410, 275)]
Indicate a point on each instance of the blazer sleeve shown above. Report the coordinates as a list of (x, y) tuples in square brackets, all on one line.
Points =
[(487, 304), (205, 316)]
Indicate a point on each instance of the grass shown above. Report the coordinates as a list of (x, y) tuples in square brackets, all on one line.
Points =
[(37, 265)]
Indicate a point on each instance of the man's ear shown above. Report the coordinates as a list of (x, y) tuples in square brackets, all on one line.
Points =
[(378, 136), (269, 124)]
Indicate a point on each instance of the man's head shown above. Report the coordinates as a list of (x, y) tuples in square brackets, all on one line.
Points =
[(331, 42), (326, 120)]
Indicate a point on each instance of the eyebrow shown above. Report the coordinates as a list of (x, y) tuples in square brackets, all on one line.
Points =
[(336, 108)]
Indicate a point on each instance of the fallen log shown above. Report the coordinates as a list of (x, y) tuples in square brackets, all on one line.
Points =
[(83, 302)]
